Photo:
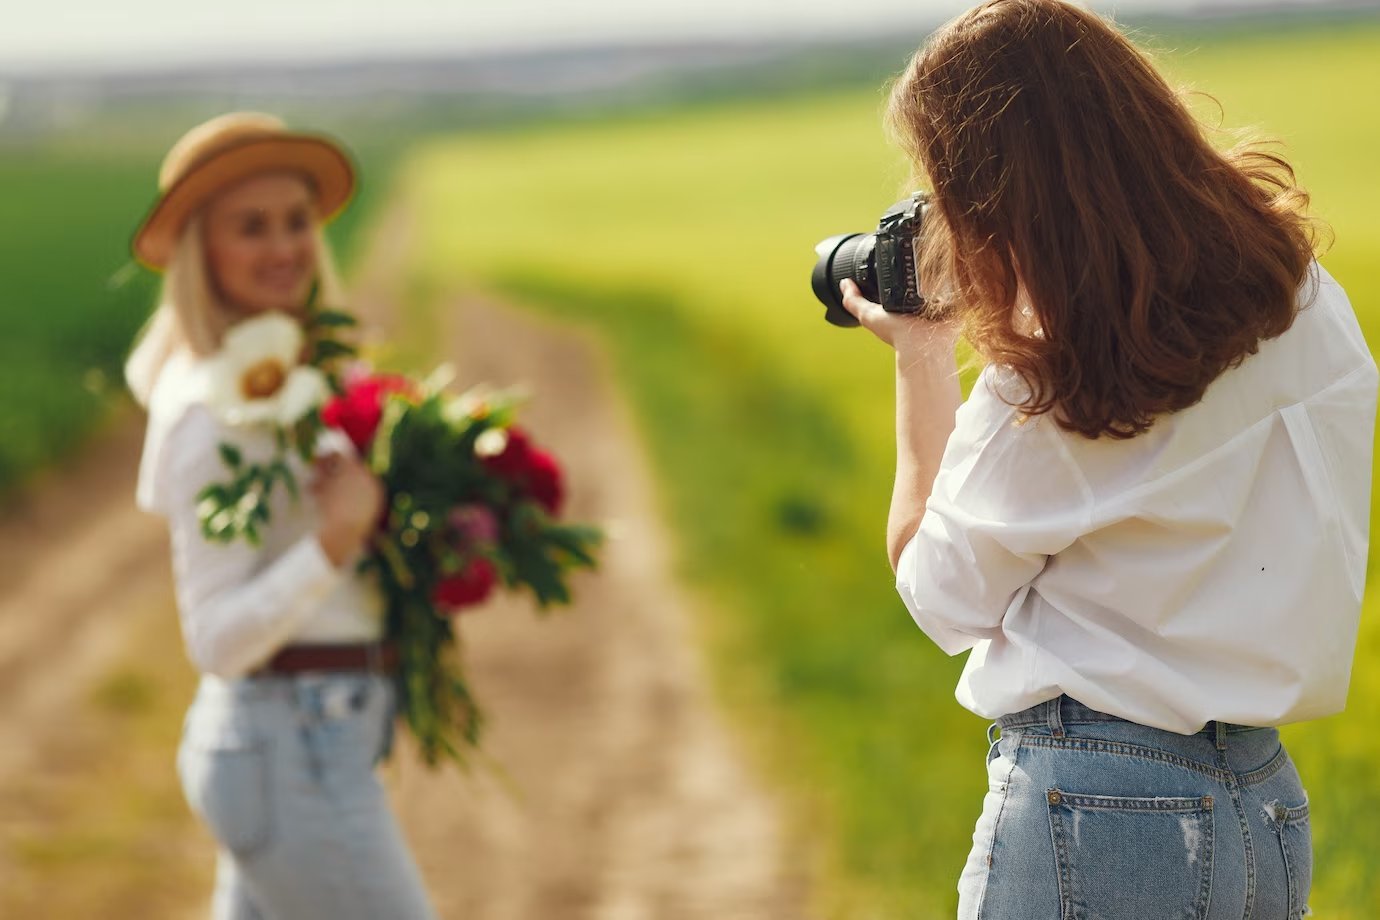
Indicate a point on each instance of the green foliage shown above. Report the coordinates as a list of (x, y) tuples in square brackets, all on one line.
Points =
[(686, 240), (424, 452), (239, 508), (332, 319), (323, 350), (433, 698)]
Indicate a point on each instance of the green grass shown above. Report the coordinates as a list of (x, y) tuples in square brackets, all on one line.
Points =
[(685, 239), (66, 317)]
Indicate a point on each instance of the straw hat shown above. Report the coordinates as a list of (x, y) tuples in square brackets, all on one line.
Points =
[(217, 154)]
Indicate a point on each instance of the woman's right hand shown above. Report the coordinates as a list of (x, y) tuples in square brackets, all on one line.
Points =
[(349, 500), (907, 333)]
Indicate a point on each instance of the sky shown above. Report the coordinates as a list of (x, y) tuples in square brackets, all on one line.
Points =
[(41, 35)]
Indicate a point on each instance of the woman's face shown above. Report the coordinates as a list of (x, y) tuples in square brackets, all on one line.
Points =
[(261, 243)]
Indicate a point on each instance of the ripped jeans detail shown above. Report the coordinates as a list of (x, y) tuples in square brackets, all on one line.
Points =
[(1090, 817)]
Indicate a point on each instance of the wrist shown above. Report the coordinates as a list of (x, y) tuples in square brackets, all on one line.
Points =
[(926, 341), (933, 362), (338, 544)]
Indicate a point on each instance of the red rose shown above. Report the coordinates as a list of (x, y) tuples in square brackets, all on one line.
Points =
[(358, 410), (535, 472), (512, 460), (543, 481), (466, 588)]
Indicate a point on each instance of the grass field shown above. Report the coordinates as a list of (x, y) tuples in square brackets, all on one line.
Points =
[(67, 317), (686, 239)]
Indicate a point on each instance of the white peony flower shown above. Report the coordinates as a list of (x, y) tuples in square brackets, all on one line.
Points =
[(491, 443), (257, 377)]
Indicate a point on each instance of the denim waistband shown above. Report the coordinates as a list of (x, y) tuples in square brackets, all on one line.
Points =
[(1065, 710), (265, 687)]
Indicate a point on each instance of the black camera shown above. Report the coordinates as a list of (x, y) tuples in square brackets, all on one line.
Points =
[(884, 264)]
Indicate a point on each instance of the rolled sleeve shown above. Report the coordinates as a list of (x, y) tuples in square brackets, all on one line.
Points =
[(1005, 499), (958, 579)]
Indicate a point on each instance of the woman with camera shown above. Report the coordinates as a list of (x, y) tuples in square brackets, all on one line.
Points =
[(1148, 523)]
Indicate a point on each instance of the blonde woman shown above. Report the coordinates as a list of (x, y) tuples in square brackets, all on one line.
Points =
[(295, 702)]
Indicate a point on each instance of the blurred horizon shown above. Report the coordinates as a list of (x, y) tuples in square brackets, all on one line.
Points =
[(335, 85), (89, 38)]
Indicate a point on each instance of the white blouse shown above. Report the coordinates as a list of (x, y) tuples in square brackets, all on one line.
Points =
[(238, 603), (1211, 568)]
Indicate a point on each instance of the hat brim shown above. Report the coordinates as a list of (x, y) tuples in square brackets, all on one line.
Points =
[(323, 162)]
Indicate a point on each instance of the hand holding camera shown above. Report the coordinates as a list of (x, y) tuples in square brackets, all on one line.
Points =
[(873, 280), (885, 265), (907, 333)]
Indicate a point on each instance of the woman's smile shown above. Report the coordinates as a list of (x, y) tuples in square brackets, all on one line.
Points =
[(283, 279), (261, 243)]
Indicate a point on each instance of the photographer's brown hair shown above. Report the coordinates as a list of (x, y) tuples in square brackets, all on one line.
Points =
[(1062, 162)]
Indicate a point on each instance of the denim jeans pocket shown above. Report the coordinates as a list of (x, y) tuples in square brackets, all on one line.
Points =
[(1119, 856), (1295, 836), (340, 719), (228, 787)]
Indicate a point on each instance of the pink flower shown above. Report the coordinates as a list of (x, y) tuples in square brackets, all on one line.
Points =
[(474, 524)]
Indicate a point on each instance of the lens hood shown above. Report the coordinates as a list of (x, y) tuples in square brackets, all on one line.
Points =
[(824, 280)]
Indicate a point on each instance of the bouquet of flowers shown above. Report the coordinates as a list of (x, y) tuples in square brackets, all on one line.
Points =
[(472, 502)]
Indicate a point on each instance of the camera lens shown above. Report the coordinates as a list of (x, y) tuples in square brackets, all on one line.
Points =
[(848, 255)]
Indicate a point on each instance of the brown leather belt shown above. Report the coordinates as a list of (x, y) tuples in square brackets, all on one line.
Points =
[(364, 656)]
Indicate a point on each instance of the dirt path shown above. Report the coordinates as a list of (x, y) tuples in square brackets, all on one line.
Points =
[(78, 562), (630, 801), (618, 793), (92, 684)]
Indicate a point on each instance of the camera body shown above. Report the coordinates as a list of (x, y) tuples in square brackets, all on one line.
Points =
[(884, 264)]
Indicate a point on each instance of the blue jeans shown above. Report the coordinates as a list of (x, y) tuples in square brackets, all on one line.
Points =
[(281, 769), (1091, 817)]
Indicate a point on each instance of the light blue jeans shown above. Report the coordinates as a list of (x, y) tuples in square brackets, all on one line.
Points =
[(281, 769), (1090, 817)]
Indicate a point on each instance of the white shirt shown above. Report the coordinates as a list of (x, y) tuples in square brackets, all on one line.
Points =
[(239, 604), (1210, 568)]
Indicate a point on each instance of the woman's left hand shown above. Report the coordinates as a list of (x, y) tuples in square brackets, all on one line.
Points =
[(903, 332)]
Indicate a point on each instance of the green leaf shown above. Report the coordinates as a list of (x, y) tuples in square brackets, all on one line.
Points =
[(333, 319), (397, 564), (391, 428), (329, 349), (231, 455), (284, 473), (216, 492)]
